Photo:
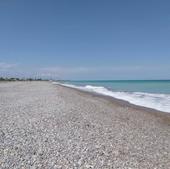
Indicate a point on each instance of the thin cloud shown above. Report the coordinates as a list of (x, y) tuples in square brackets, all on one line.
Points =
[(67, 70), (102, 72), (82, 72), (7, 66)]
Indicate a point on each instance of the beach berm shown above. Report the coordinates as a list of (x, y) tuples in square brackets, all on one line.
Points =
[(46, 126)]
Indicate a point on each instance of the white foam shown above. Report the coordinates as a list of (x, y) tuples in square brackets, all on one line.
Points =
[(151, 100)]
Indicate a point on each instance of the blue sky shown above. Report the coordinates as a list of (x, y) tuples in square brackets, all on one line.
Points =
[(85, 39)]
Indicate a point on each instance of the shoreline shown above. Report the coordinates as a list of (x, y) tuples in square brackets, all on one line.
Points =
[(155, 101), (123, 103)]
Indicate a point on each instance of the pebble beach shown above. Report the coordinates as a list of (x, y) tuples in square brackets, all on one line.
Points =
[(47, 126)]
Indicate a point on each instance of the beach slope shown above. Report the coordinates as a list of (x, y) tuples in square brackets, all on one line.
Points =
[(43, 125)]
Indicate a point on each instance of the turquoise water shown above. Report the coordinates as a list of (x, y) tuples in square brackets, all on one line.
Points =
[(149, 86), (153, 94)]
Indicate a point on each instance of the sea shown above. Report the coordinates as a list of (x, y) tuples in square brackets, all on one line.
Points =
[(153, 94)]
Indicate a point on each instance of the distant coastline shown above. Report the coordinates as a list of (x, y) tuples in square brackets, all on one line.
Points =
[(6, 79)]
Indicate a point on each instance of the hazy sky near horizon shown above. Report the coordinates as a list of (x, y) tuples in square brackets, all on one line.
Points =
[(85, 39)]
